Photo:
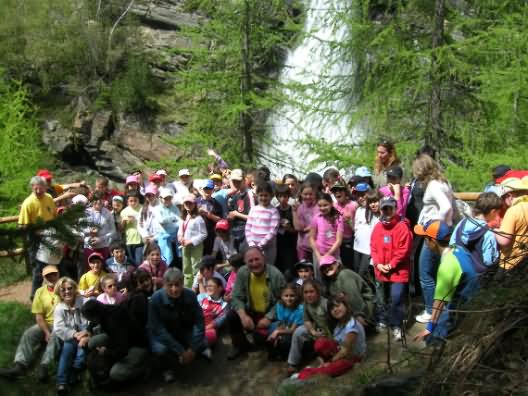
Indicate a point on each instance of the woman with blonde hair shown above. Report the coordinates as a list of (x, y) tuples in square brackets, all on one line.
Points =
[(437, 205), (385, 158), (70, 328)]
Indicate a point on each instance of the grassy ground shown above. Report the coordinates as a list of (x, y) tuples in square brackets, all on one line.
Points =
[(12, 271)]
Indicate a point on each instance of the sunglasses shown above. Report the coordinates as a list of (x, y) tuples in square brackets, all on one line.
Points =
[(66, 289)]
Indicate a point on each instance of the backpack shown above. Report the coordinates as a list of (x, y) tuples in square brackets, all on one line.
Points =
[(474, 246)]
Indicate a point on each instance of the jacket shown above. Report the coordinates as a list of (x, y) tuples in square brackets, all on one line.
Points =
[(392, 244), (68, 320), (356, 290)]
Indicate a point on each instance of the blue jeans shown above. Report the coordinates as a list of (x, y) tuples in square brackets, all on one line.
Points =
[(72, 356), (429, 262), (391, 312), (135, 253)]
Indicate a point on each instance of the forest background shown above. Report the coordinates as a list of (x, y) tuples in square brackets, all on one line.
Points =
[(449, 73)]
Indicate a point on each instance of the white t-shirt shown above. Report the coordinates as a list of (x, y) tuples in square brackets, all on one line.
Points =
[(363, 231), (352, 326), (226, 248)]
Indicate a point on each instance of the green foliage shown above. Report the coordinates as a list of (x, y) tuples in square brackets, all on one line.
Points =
[(21, 152), (14, 319)]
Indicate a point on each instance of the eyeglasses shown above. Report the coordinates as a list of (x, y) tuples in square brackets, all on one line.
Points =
[(65, 289)]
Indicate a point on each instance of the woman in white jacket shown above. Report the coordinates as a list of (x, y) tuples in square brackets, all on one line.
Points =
[(191, 235), (70, 328), (437, 205)]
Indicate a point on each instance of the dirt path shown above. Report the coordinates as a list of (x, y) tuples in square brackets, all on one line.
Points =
[(18, 292)]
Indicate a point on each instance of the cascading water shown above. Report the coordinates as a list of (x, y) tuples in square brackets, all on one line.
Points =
[(319, 109)]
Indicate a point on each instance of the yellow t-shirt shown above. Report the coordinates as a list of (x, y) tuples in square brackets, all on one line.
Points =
[(44, 303), (133, 237), (258, 293), (34, 208), (515, 222), (90, 280)]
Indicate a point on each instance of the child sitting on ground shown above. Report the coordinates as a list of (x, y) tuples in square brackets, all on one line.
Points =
[(206, 271), (305, 272), (214, 310), (235, 261), (282, 321), (89, 282), (111, 295)]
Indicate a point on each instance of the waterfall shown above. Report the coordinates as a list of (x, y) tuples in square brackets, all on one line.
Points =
[(320, 109)]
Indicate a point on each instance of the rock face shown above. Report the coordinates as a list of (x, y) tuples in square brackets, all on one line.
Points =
[(113, 144)]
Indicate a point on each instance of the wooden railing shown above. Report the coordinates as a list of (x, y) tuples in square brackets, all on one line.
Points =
[(18, 251)]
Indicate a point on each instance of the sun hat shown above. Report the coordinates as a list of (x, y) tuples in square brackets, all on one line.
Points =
[(237, 174), (151, 189), (49, 269), (436, 229)]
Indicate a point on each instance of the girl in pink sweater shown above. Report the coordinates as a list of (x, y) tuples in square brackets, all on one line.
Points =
[(326, 230), (302, 218)]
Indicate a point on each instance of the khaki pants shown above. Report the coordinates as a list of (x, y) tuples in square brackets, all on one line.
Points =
[(30, 342), (191, 257)]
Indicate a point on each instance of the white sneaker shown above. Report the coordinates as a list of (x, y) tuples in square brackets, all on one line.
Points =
[(207, 353), (424, 317), (397, 334), (380, 327)]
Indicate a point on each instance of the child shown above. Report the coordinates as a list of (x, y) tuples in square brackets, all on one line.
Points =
[(330, 177), (146, 226), (302, 218), (191, 235), (130, 217), (133, 186), (111, 295), (286, 234), (347, 346), (391, 246), (315, 323), (395, 189), (293, 185), (305, 272), (214, 311), (262, 224), (118, 203), (326, 230), (166, 220), (367, 216), (282, 321), (89, 282), (211, 211), (235, 261), (224, 244), (347, 209), (206, 272), (119, 265), (154, 265)]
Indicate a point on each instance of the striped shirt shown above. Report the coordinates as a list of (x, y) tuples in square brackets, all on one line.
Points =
[(262, 225)]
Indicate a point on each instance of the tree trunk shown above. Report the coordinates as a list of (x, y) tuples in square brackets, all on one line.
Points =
[(435, 138), (245, 83)]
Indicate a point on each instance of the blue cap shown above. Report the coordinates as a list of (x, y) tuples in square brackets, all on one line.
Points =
[(362, 187), (363, 171), (209, 184)]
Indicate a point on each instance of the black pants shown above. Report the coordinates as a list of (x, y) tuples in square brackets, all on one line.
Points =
[(236, 330)]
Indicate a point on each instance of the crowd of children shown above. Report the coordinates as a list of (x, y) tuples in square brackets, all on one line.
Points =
[(338, 257)]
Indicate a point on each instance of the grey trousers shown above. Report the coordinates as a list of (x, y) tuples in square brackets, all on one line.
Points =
[(32, 339), (131, 366), (270, 252), (300, 336)]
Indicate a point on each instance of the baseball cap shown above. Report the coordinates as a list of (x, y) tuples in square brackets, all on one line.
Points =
[(79, 199), (132, 179), (189, 198), (500, 170), (161, 172), (165, 192), (363, 171), (155, 178), (338, 185), (362, 187), (327, 260), (395, 171), (222, 225), (95, 255), (49, 269), (151, 189), (215, 176), (387, 202), (209, 184), (46, 174), (184, 172), (304, 264), (118, 198), (436, 229), (237, 174)]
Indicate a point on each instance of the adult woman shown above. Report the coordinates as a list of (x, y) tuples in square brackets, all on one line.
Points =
[(437, 205), (70, 328), (385, 158)]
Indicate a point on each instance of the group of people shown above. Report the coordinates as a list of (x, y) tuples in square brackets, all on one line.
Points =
[(304, 269)]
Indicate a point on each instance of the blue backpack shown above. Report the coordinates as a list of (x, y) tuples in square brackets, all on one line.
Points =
[(474, 246)]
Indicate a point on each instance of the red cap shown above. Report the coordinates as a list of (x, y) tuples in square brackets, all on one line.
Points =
[(222, 225), (95, 255), (155, 178), (46, 174)]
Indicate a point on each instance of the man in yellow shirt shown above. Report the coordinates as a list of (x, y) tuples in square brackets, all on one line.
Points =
[(39, 206), (256, 291), (40, 333)]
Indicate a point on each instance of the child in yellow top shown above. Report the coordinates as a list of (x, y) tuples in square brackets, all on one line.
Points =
[(89, 282)]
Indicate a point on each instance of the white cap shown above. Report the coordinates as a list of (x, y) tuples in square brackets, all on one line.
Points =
[(184, 172), (161, 172), (165, 192), (80, 199)]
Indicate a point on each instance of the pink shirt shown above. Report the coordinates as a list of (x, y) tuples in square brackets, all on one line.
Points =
[(404, 198), (348, 211), (305, 214), (156, 272), (326, 232), (107, 300), (262, 225), (231, 282)]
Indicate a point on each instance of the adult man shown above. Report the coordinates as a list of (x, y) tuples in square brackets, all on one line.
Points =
[(175, 324), (256, 291), (238, 206), (39, 206), (513, 232), (40, 333)]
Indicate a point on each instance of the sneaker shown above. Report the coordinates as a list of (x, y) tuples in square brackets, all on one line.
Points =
[(208, 354), (380, 327), (42, 373), (168, 376), (14, 372), (291, 370), (62, 390), (397, 334), (424, 317)]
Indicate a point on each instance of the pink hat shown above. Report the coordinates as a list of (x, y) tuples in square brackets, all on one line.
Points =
[(327, 260), (189, 198), (95, 255), (151, 189), (132, 179)]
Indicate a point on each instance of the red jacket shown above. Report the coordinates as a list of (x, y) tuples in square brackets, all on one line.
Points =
[(392, 244)]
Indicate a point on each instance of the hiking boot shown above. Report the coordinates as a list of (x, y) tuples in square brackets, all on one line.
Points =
[(168, 376), (424, 317), (14, 372), (397, 334), (42, 373), (235, 352)]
